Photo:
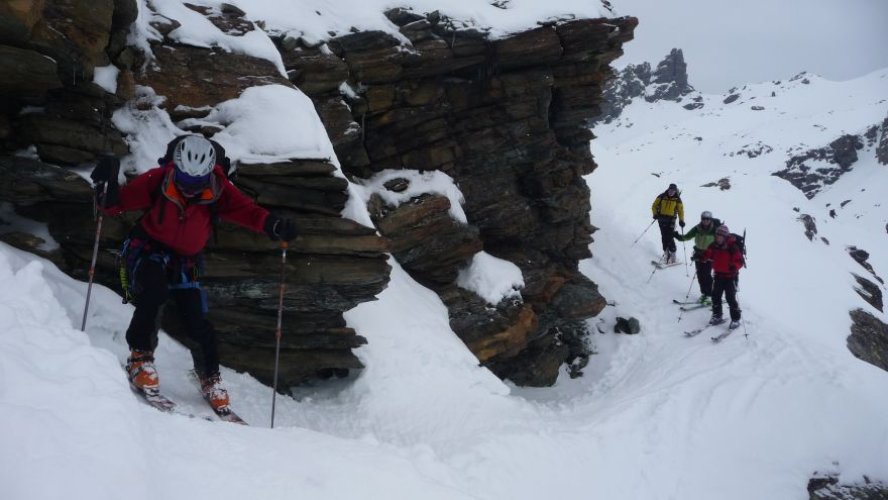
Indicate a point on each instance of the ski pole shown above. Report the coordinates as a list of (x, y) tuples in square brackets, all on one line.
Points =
[(277, 333), (684, 248), (652, 274), (691, 285), (680, 314), (114, 167), (642, 233)]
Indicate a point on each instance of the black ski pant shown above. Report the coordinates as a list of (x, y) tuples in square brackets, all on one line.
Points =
[(728, 286), (667, 233), (152, 292), (704, 274)]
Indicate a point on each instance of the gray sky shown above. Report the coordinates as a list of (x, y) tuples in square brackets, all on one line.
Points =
[(728, 43)]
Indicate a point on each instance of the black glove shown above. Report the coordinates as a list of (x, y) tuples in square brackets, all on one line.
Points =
[(681, 223), (655, 216), (105, 178), (107, 198), (106, 170), (279, 229)]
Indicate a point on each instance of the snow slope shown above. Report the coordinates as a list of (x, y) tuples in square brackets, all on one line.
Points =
[(657, 416)]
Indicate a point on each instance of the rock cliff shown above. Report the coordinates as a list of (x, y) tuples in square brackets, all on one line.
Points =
[(505, 118)]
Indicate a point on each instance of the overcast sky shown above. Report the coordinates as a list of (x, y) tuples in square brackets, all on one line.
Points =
[(728, 43)]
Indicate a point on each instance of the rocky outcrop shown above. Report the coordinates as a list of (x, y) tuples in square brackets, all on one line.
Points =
[(669, 81), (882, 148), (842, 153), (817, 168), (828, 487), (505, 118), (869, 339), (48, 52), (868, 291), (810, 226)]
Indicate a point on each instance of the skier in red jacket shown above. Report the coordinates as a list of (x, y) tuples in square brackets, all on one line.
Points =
[(163, 254), (727, 259)]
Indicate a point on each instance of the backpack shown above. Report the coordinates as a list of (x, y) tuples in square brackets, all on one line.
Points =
[(740, 244)]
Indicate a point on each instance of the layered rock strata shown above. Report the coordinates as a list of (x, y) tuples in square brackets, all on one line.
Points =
[(506, 119)]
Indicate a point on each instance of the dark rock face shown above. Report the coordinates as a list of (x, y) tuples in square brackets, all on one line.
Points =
[(669, 81), (671, 78), (48, 51), (27, 74), (425, 239), (841, 152), (810, 226), (868, 291), (869, 339), (506, 119), (196, 77), (827, 487), (882, 148)]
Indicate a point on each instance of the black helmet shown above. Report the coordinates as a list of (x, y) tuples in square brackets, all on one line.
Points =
[(706, 215)]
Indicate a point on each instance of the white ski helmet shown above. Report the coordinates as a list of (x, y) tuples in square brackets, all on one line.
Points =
[(194, 156)]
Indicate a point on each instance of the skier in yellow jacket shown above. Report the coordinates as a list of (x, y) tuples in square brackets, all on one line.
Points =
[(667, 206)]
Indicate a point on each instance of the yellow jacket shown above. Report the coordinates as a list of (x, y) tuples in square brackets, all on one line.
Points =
[(668, 206)]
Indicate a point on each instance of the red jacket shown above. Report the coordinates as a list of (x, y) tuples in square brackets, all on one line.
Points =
[(727, 259), (181, 224)]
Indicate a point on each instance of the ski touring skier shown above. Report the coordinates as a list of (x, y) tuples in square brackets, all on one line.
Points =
[(162, 257), (666, 208), (726, 257), (703, 235)]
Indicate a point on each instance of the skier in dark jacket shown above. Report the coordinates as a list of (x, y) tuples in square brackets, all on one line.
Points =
[(666, 207), (727, 259), (703, 235), (163, 254)]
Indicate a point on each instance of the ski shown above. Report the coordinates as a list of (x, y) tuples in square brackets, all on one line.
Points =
[(229, 416), (226, 414), (694, 308), (158, 401), (155, 399), (660, 265), (718, 338), (684, 303), (694, 333)]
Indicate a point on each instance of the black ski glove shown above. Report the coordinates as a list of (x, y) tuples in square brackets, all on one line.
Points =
[(681, 223), (107, 169), (105, 174), (279, 229)]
